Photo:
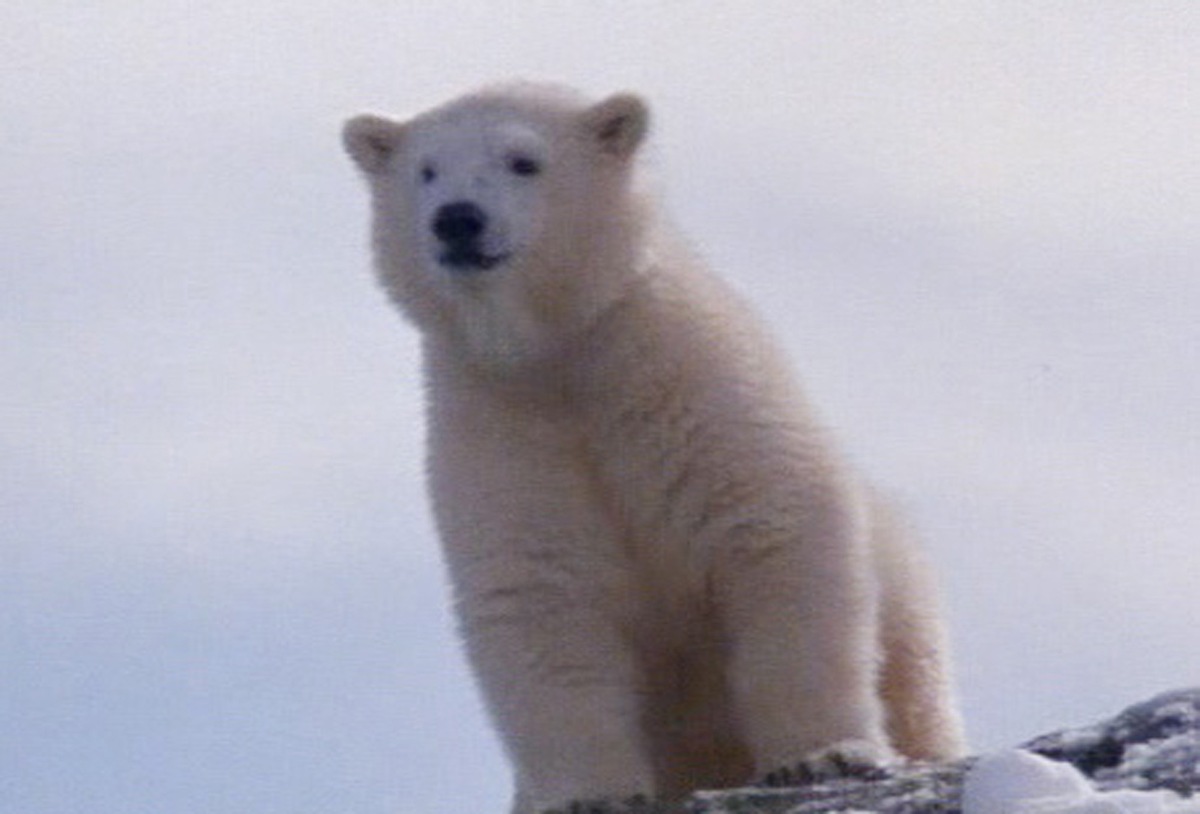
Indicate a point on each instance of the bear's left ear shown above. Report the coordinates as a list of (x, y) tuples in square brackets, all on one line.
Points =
[(372, 141), (618, 124)]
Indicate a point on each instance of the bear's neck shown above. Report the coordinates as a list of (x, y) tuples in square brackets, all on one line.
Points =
[(507, 328), (669, 325)]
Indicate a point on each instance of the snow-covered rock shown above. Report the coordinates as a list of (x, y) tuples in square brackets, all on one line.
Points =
[(1144, 761), (1021, 782), (1153, 745)]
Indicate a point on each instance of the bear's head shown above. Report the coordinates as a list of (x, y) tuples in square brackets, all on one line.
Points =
[(506, 219)]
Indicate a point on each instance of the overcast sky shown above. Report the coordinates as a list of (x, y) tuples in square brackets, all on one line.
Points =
[(976, 227)]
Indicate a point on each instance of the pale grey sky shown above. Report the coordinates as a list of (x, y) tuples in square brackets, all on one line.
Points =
[(975, 225)]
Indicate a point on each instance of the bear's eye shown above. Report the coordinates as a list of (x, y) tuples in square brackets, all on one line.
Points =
[(524, 166), (428, 173)]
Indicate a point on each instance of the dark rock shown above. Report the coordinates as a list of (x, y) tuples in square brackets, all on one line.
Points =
[(911, 790)]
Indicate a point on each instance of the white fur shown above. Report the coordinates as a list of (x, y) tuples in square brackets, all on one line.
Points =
[(666, 576)]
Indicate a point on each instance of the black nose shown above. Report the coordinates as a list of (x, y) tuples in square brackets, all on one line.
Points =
[(459, 223)]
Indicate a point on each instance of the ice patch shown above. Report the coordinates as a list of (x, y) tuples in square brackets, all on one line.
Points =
[(1020, 782)]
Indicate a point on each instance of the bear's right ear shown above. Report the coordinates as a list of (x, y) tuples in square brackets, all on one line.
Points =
[(372, 141), (618, 124)]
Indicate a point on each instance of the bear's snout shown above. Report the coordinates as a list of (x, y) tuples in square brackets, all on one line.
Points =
[(460, 227)]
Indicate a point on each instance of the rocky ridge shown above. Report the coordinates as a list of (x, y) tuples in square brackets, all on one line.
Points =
[(1152, 745)]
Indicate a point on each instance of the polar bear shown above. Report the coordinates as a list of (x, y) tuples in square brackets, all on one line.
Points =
[(666, 576)]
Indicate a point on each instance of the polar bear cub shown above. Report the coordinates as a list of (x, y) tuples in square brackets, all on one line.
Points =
[(666, 576)]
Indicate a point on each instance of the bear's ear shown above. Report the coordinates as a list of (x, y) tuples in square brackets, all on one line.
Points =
[(372, 141), (618, 124)]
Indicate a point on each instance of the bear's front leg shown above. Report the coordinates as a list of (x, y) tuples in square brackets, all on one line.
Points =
[(561, 683), (545, 601), (800, 617)]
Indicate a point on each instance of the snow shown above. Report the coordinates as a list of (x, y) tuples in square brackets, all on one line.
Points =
[(1020, 782)]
